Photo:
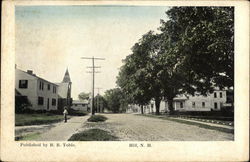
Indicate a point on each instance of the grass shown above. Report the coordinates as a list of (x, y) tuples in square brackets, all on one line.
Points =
[(97, 118), (36, 119), (28, 137), (193, 123), (93, 135)]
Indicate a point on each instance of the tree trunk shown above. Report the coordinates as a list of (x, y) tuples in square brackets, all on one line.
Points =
[(170, 105), (141, 109), (157, 106)]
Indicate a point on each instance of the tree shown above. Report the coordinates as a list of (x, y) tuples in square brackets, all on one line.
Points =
[(143, 83), (100, 103), (83, 96), (197, 50), (193, 53), (115, 99), (203, 39)]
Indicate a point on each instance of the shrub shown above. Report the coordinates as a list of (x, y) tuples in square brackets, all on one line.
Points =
[(93, 135), (77, 112), (97, 118), (22, 104)]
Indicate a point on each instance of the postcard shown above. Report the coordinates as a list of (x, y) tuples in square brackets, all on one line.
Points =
[(125, 81)]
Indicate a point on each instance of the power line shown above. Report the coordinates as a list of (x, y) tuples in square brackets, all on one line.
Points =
[(93, 78)]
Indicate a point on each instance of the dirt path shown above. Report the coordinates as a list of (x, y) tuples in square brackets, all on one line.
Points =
[(129, 127), (63, 131)]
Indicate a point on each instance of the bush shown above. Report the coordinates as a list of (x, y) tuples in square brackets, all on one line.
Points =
[(93, 135), (97, 118), (77, 112), (22, 104)]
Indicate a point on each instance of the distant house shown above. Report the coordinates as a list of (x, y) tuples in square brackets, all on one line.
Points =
[(212, 102), (64, 92), (42, 94), (80, 105)]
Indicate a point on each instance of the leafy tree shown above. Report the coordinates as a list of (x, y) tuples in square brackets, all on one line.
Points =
[(203, 40), (100, 103), (83, 96), (193, 53), (139, 76), (115, 99)]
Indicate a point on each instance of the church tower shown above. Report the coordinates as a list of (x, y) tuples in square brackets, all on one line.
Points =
[(66, 79)]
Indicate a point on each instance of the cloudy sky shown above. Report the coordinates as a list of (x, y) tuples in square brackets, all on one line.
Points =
[(50, 39)]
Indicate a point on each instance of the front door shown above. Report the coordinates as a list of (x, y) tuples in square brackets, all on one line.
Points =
[(48, 104)]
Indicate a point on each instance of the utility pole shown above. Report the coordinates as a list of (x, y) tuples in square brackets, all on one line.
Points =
[(93, 79)]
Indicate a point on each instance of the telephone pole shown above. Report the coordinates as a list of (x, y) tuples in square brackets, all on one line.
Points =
[(93, 79)]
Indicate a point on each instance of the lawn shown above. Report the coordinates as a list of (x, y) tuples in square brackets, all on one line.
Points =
[(36, 119), (28, 137), (191, 123), (93, 135)]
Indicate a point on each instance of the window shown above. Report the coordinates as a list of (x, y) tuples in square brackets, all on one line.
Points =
[(215, 105), (215, 95), (41, 85), (181, 104), (220, 94), (54, 89), (23, 83), (203, 104), (48, 87), (193, 104), (53, 102), (40, 100)]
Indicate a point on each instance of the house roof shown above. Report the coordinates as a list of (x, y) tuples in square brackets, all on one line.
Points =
[(63, 89), (80, 102), (35, 76), (17, 93)]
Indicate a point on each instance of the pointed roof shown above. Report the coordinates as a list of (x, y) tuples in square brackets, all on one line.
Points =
[(66, 78)]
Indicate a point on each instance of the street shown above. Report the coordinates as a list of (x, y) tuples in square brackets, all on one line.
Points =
[(130, 127)]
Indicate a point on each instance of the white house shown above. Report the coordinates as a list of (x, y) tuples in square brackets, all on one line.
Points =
[(214, 101), (41, 93), (80, 105)]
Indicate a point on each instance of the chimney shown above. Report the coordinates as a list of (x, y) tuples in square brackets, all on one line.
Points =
[(30, 72)]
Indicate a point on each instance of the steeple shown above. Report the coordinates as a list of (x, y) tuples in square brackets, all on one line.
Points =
[(66, 78)]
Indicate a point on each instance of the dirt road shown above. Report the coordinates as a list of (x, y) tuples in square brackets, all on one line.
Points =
[(130, 127)]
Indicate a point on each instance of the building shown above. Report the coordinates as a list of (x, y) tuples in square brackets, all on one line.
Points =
[(80, 105), (64, 92), (212, 102), (42, 94)]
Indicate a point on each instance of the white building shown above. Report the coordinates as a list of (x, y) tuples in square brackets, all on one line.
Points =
[(41, 93), (214, 101), (64, 92), (80, 105)]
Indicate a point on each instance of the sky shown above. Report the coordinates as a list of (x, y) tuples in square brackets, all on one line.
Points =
[(50, 39)]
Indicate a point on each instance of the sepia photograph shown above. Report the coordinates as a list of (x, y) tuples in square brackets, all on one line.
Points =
[(124, 73), (125, 81)]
